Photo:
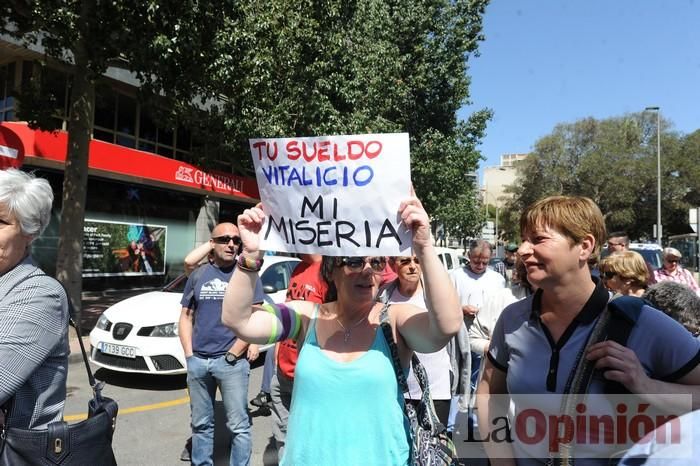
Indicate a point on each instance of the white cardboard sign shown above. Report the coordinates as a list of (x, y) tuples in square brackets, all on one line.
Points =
[(334, 195)]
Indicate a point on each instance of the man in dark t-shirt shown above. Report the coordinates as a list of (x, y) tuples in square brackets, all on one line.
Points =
[(215, 356)]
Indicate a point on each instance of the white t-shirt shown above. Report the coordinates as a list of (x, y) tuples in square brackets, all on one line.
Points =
[(473, 288), (437, 365)]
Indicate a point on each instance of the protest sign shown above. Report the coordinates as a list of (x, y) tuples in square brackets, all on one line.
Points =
[(334, 195)]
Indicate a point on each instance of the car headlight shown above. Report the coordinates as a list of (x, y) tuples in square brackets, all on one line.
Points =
[(103, 323), (165, 330)]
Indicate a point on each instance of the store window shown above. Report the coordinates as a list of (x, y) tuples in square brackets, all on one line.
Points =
[(7, 84)]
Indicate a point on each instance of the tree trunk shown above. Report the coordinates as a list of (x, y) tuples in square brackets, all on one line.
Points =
[(69, 263)]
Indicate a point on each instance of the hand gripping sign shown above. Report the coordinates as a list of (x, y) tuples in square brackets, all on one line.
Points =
[(334, 195)]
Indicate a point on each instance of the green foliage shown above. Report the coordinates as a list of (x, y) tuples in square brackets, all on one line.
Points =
[(613, 161), (336, 67), (233, 70)]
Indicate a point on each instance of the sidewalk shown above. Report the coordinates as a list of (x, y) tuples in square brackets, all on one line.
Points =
[(75, 354)]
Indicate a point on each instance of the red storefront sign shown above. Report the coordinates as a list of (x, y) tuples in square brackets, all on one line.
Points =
[(106, 158)]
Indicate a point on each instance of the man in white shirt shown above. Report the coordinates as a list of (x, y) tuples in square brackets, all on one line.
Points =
[(475, 280)]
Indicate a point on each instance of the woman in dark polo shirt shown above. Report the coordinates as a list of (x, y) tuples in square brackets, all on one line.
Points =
[(536, 341)]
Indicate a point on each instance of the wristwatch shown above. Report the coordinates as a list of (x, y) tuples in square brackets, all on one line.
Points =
[(232, 358)]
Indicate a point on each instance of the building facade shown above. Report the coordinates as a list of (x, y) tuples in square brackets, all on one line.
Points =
[(148, 200)]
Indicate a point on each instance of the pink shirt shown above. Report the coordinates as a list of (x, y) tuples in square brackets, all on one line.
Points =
[(680, 275)]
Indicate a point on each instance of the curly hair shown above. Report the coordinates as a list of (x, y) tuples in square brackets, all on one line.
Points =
[(678, 301)]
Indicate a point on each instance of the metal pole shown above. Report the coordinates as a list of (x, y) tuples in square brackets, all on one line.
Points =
[(658, 174), (496, 229), (659, 232)]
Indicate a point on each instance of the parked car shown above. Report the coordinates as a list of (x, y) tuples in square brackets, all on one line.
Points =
[(140, 334), (450, 258), (651, 252)]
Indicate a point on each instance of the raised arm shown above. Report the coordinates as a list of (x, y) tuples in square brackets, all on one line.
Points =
[(196, 256), (257, 324), (428, 332)]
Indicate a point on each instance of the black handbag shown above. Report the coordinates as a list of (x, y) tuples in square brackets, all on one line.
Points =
[(88, 442), (430, 445)]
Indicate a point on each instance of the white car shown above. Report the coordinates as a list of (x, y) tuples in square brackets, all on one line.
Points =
[(140, 334)]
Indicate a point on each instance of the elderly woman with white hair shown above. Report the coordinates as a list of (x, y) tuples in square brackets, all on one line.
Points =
[(673, 271), (33, 310)]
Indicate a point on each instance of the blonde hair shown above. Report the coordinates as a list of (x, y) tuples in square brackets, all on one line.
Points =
[(629, 265), (572, 216)]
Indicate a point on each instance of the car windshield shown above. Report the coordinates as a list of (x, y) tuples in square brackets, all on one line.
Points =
[(651, 256), (177, 285)]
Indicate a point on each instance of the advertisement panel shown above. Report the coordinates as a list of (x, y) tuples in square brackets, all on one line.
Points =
[(123, 249)]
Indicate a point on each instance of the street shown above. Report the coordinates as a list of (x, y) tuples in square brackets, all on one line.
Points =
[(153, 420)]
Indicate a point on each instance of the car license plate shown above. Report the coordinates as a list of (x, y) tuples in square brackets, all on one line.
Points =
[(118, 350)]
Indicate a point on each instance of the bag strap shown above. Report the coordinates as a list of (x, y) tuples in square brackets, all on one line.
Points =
[(418, 370), (615, 323), (393, 348)]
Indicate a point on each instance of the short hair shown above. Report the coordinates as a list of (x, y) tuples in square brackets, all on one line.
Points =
[(620, 234), (673, 252), (628, 265), (479, 245), (28, 199), (572, 216), (678, 301)]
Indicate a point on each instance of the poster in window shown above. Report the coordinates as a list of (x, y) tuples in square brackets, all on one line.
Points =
[(123, 249)]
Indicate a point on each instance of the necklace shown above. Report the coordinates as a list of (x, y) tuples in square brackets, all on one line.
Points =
[(348, 331)]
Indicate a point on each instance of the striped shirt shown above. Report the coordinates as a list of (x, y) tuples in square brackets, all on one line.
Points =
[(33, 346)]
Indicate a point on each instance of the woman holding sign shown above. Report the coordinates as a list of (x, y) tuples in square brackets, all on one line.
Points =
[(346, 407)]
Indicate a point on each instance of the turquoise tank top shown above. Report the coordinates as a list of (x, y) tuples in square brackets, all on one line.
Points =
[(346, 413)]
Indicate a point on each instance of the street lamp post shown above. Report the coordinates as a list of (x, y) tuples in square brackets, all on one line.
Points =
[(486, 202), (658, 171)]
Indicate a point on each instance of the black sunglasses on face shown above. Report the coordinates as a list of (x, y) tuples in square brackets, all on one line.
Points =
[(608, 275), (672, 261), (226, 238), (357, 264), (407, 260)]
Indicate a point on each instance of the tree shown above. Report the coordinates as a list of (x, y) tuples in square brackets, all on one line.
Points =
[(612, 161), (165, 43), (271, 68), (359, 67)]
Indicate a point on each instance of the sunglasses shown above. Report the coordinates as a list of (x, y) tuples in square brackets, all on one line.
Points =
[(407, 260), (357, 264), (608, 275), (672, 261), (226, 239)]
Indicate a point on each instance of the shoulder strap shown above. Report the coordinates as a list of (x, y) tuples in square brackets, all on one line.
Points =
[(393, 349), (624, 314)]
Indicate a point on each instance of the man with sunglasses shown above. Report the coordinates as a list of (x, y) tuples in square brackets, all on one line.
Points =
[(215, 356), (673, 271)]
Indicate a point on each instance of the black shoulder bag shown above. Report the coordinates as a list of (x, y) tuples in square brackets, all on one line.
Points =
[(430, 445), (88, 442)]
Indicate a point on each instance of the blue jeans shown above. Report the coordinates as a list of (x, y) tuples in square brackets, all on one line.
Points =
[(204, 375)]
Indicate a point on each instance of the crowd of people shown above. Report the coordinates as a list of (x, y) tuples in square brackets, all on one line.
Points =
[(525, 327)]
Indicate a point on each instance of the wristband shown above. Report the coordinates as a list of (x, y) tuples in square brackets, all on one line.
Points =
[(248, 264)]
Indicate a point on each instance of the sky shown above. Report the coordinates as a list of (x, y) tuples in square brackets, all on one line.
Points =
[(546, 62)]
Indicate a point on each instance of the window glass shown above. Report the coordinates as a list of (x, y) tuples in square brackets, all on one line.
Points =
[(105, 108), (126, 115), (126, 141), (102, 135), (184, 139), (147, 146), (147, 127), (165, 136), (165, 151)]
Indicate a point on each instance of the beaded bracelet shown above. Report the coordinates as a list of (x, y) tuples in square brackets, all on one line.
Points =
[(249, 264)]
